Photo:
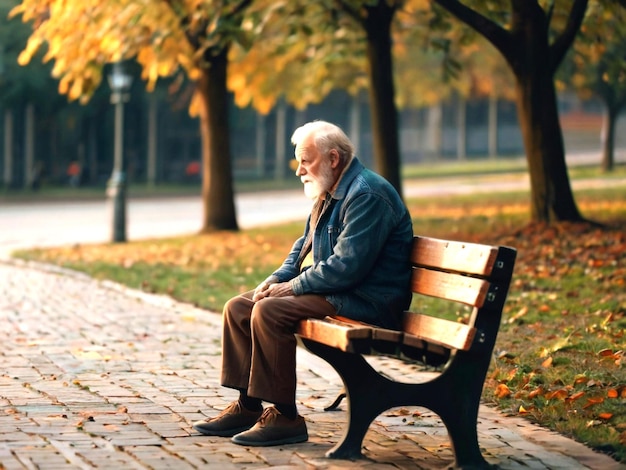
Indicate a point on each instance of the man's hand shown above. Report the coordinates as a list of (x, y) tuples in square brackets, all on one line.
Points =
[(282, 289), (271, 288), (261, 291)]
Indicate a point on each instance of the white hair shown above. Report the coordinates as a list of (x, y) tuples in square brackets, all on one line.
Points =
[(326, 137)]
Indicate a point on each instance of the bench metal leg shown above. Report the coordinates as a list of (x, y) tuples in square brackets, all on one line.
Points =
[(454, 396), (335, 404), (366, 393)]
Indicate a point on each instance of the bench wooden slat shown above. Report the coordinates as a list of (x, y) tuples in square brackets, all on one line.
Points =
[(448, 255), (468, 290), (419, 327), (378, 334), (343, 333), (333, 333)]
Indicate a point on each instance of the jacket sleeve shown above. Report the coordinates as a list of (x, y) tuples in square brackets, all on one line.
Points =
[(290, 269)]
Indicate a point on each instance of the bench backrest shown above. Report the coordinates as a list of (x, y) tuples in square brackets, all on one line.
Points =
[(468, 273), (472, 274)]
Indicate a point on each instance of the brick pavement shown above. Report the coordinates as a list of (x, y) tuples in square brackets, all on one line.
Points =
[(93, 375)]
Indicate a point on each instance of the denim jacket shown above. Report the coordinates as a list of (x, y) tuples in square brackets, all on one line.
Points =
[(361, 250)]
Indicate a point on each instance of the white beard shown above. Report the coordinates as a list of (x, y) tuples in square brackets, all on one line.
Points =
[(318, 187), (313, 190)]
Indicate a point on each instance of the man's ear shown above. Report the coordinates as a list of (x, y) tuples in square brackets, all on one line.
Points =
[(335, 161)]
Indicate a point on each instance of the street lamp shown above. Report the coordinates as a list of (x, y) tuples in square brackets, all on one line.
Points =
[(120, 82)]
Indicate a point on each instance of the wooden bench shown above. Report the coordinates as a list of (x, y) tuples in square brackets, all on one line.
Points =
[(465, 273)]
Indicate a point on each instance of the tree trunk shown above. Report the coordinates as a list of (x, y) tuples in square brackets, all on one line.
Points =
[(151, 157), (260, 134), (280, 160), (534, 65), (8, 149), (434, 132), (608, 139), (384, 114), (461, 128), (217, 185), (551, 195), (525, 44), (534, 62), (29, 146), (492, 126)]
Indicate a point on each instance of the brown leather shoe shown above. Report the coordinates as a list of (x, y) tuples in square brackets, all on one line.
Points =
[(273, 429), (234, 419)]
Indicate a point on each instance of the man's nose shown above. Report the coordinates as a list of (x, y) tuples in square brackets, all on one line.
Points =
[(295, 166)]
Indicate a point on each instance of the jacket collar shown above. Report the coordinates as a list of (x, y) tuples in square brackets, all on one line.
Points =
[(354, 168)]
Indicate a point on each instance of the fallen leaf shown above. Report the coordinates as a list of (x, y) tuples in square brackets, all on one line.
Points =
[(506, 355), (593, 401), (521, 312), (605, 353), (593, 422), (581, 379), (399, 412), (576, 396), (560, 394), (502, 391)]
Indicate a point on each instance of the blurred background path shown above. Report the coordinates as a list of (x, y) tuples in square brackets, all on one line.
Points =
[(53, 223)]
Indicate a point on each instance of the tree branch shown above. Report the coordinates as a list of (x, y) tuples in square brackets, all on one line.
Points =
[(493, 32), (352, 12), (562, 43), (184, 21), (243, 4)]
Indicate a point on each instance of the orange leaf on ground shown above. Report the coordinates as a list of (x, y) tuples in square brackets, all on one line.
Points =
[(576, 396), (502, 391), (593, 401), (560, 394), (606, 353), (605, 416)]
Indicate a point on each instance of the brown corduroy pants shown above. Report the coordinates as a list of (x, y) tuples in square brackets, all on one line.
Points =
[(259, 346)]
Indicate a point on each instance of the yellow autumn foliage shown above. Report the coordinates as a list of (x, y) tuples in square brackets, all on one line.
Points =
[(82, 36)]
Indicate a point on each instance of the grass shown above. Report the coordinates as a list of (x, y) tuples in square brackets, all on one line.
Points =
[(559, 359)]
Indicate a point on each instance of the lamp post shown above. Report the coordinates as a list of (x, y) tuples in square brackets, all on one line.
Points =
[(120, 82)]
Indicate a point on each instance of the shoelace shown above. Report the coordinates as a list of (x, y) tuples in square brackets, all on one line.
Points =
[(226, 410), (268, 414)]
